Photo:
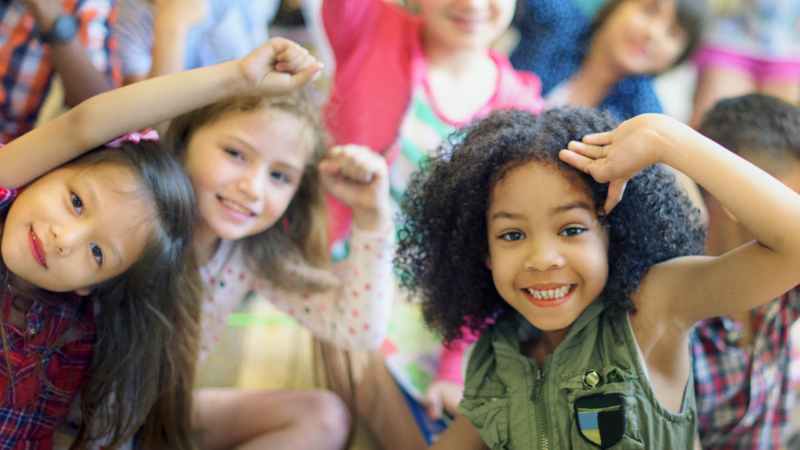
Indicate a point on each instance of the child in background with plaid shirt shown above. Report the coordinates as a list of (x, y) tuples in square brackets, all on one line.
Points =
[(39, 38), (742, 361)]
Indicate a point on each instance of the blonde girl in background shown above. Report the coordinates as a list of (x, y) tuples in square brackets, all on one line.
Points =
[(258, 166)]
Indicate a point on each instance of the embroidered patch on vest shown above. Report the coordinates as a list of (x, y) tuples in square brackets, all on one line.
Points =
[(601, 419)]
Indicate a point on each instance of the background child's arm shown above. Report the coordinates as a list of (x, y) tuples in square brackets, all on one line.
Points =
[(460, 435), (278, 67), (692, 288), (81, 78), (174, 19)]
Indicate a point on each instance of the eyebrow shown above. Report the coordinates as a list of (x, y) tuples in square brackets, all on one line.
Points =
[(508, 215), (571, 206), (253, 149), (90, 189)]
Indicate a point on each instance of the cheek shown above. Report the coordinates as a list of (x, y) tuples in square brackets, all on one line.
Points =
[(208, 177), (595, 264), (670, 51), (277, 201)]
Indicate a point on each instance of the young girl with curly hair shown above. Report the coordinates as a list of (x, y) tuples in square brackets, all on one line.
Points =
[(594, 292)]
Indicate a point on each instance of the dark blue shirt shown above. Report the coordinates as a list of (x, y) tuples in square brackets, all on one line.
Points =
[(554, 42)]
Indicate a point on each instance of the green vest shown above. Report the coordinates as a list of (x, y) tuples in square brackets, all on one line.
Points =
[(591, 394)]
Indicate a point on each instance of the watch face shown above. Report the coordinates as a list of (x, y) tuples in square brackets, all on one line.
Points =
[(64, 30)]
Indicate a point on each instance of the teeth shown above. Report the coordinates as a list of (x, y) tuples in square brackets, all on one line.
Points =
[(550, 294), (236, 207)]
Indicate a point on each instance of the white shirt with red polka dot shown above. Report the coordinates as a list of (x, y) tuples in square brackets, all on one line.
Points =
[(353, 313)]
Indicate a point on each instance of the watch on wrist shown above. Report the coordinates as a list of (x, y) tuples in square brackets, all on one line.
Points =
[(64, 29)]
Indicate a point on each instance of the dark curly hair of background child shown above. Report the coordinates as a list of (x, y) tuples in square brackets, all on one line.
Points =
[(443, 243)]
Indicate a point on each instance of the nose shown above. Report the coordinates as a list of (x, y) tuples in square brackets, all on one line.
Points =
[(543, 255), (657, 29), (252, 183), (473, 4), (68, 236)]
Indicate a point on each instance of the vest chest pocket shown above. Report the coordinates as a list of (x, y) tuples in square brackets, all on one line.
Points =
[(489, 416), (602, 416)]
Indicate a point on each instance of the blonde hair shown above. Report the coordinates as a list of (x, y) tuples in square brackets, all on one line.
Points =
[(300, 236)]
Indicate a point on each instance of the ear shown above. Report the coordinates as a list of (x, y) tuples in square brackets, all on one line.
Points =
[(83, 292), (488, 261)]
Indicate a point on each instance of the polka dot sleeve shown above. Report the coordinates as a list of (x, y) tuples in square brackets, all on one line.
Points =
[(354, 312)]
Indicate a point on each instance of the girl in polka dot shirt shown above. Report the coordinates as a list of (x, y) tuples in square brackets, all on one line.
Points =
[(258, 166)]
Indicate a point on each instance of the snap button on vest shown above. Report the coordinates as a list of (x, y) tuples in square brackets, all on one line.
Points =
[(592, 379)]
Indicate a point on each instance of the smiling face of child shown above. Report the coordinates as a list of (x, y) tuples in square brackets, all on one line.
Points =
[(642, 37), (548, 251), (460, 24), (245, 168), (76, 227)]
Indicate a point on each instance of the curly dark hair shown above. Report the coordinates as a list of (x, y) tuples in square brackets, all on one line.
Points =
[(443, 245)]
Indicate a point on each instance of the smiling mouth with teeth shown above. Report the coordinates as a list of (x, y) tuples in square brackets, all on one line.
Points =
[(550, 294), (235, 207)]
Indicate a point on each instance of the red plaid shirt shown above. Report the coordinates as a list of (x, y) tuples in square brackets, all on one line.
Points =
[(744, 395), (26, 68), (37, 399)]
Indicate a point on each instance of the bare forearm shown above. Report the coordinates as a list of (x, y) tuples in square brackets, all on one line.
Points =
[(81, 78), (764, 206), (169, 47), (102, 118)]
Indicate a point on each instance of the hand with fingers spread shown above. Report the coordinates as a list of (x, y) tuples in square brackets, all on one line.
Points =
[(279, 67), (616, 156), (359, 177)]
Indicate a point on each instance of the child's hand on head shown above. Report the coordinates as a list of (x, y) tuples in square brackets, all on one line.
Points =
[(442, 394), (279, 67), (616, 156), (359, 177)]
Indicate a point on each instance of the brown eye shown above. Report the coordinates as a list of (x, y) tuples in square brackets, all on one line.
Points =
[(97, 253), (77, 203), (512, 236), (572, 231)]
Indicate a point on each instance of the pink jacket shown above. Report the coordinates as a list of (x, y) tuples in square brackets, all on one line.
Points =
[(379, 62)]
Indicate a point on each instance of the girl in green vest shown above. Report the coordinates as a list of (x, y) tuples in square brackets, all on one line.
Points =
[(587, 259)]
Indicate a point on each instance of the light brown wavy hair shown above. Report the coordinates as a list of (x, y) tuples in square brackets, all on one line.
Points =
[(304, 241), (147, 332)]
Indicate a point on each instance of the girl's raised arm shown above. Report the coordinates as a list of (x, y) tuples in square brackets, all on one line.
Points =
[(276, 68), (696, 287)]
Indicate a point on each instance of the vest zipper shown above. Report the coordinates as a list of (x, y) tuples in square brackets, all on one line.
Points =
[(542, 409)]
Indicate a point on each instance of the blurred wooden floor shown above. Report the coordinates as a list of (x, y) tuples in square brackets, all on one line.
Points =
[(271, 352)]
